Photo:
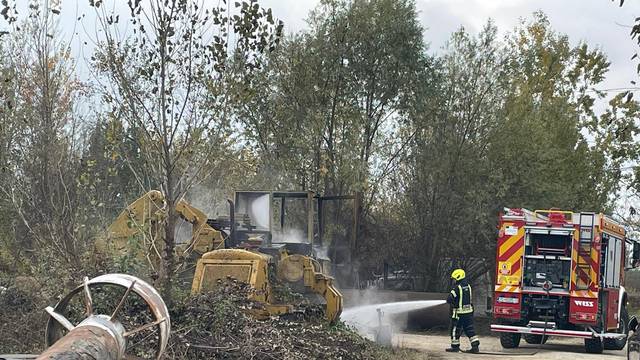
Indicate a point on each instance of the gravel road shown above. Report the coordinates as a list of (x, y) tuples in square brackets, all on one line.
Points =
[(554, 349)]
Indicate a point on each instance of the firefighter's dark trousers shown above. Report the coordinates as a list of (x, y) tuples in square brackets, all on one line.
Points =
[(464, 322)]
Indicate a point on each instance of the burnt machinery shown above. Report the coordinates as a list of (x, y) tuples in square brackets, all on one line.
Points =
[(302, 222)]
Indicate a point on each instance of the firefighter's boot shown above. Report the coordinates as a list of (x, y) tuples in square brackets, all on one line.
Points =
[(453, 348), (475, 345)]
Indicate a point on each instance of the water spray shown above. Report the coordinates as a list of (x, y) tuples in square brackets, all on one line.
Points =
[(375, 321), (370, 320), (384, 333)]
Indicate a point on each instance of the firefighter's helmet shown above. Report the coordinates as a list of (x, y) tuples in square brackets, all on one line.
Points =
[(458, 274)]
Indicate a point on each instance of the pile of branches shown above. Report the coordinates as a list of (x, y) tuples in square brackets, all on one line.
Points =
[(218, 325), (22, 316), (213, 325)]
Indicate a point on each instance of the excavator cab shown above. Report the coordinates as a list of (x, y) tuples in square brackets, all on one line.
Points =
[(277, 219), (272, 232)]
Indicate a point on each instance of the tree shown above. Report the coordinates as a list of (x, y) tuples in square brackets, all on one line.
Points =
[(444, 183), (617, 133), (337, 89), (504, 124), (335, 97), (106, 175), (168, 81), (548, 112), (40, 93)]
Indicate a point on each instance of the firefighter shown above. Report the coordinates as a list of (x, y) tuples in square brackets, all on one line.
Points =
[(461, 313)]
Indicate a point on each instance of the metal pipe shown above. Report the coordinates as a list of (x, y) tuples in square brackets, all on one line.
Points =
[(320, 222), (310, 217), (232, 229), (84, 342)]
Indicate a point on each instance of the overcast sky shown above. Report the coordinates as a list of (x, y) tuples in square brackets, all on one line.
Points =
[(600, 23)]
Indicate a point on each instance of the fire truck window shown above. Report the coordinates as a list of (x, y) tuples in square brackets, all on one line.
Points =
[(545, 244), (604, 259), (628, 256), (612, 256), (617, 266)]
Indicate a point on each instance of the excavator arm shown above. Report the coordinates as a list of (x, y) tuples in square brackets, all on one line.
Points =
[(149, 210), (297, 267), (149, 207), (322, 284), (141, 216), (204, 237)]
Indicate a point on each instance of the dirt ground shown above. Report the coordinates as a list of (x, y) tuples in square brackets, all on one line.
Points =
[(554, 349)]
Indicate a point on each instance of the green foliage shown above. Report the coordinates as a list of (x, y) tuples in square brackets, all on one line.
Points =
[(165, 85), (504, 123), (129, 262), (200, 100), (545, 113), (332, 93)]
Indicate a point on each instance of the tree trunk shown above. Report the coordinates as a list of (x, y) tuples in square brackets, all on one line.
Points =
[(169, 248)]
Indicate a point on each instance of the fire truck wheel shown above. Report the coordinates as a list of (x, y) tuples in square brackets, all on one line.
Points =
[(618, 344), (593, 346), (534, 339), (509, 340)]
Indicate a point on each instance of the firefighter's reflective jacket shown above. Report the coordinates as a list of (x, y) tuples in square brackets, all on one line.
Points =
[(460, 299)]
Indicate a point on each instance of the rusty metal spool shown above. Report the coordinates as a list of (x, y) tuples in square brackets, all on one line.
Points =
[(104, 334)]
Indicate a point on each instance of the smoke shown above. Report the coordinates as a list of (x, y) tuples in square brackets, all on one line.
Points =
[(259, 211), (290, 235), (210, 201), (321, 252)]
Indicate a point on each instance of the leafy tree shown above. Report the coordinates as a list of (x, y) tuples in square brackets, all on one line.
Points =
[(504, 124), (444, 182), (106, 175), (167, 82), (335, 90), (41, 125), (616, 134), (334, 97), (548, 106)]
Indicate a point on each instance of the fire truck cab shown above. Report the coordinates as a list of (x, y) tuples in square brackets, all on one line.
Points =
[(560, 273)]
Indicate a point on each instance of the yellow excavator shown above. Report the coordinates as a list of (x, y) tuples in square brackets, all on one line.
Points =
[(247, 245), (144, 216)]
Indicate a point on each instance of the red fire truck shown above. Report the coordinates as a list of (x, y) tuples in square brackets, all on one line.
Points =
[(560, 273)]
